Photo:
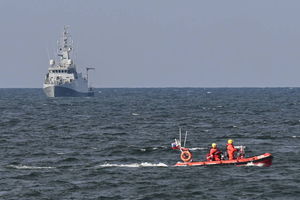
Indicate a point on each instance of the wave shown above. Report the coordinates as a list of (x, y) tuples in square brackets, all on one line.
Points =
[(144, 164), (28, 167)]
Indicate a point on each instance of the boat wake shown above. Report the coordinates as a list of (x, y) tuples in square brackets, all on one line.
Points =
[(254, 165), (28, 167), (154, 148), (144, 164)]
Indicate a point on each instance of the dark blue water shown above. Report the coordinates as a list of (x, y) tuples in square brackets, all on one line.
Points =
[(117, 144)]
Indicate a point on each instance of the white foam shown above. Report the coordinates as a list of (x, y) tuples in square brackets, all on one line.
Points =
[(135, 114), (28, 167), (294, 136), (154, 148), (145, 164), (251, 164)]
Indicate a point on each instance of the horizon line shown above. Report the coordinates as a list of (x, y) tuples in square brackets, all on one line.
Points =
[(209, 87)]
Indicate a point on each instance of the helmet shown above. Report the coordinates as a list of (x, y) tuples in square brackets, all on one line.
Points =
[(230, 141), (213, 145)]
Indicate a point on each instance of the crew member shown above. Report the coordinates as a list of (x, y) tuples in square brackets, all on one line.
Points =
[(230, 149), (214, 153)]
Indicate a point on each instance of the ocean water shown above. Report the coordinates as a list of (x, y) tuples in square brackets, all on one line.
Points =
[(116, 145)]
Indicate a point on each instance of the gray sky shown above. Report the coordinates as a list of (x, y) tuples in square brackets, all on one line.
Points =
[(155, 43)]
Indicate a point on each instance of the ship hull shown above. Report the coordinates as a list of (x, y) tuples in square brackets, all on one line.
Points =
[(58, 91)]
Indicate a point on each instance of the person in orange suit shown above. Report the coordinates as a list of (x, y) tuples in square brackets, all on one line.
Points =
[(214, 153), (230, 149)]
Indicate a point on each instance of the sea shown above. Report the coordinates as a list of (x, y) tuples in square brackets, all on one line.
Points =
[(117, 145)]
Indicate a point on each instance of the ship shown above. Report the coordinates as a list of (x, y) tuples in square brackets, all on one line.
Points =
[(62, 78)]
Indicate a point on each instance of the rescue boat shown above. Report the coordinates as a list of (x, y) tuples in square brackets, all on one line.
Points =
[(261, 160), (187, 157)]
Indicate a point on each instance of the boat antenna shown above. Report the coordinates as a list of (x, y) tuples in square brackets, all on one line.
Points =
[(185, 138), (180, 135), (48, 54)]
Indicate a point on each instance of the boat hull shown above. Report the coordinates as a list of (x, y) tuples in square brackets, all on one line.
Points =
[(57, 91), (261, 160)]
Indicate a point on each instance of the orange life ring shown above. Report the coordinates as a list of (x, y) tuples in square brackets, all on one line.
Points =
[(186, 156)]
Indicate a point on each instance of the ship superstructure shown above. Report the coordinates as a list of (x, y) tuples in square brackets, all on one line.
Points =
[(62, 79)]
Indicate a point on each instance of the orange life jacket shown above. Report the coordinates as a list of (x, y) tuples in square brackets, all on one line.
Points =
[(215, 154), (230, 151)]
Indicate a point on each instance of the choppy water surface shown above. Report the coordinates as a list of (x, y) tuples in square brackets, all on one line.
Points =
[(117, 144)]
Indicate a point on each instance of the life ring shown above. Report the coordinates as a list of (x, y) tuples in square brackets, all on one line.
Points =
[(186, 156)]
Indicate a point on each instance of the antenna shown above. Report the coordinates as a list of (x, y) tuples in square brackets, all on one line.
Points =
[(48, 54), (185, 138), (180, 135)]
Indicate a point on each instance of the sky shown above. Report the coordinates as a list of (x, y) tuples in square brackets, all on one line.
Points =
[(155, 43)]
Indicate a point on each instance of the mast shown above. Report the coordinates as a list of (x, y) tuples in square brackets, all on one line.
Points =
[(65, 46)]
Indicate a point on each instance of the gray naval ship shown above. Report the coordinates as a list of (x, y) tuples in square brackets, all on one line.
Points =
[(62, 79)]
